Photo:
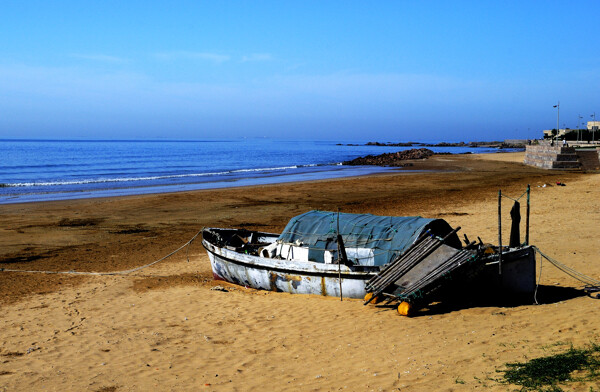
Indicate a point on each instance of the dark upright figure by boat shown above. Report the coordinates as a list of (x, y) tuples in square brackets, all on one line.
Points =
[(515, 233)]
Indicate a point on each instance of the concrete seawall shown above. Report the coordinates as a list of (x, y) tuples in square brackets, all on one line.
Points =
[(546, 156)]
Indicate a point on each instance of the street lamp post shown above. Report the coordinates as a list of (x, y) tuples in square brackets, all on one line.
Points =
[(557, 106), (594, 126)]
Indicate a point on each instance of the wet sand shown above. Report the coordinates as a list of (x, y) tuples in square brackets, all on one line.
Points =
[(164, 328)]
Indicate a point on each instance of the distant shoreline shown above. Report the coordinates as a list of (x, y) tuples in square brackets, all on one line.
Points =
[(492, 144)]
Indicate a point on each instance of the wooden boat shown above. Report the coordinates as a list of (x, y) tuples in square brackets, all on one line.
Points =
[(234, 257), (304, 257), (327, 253)]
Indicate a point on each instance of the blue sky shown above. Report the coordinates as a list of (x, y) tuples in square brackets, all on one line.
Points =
[(335, 70)]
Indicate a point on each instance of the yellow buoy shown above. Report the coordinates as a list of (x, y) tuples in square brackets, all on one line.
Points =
[(404, 309), (489, 251), (375, 300)]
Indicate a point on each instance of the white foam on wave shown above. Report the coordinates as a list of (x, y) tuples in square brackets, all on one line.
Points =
[(149, 178)]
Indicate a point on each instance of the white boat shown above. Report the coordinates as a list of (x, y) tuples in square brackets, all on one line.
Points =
[(246, 267), (304, 258)]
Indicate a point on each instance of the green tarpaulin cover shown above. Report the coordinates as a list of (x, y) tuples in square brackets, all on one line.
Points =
[(387, 236)]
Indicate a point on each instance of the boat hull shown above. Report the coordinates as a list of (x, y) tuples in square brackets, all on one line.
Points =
[(292, 276), (242, 257), (516, 275)]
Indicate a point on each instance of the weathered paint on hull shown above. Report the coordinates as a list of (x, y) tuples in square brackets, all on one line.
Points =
[(292, 276)]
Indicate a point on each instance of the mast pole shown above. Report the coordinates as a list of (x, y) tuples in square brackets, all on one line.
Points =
[(500, 231), (339, 254), (527, 220)]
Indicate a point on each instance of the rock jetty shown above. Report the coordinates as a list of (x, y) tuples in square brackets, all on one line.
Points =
[(396, 159)]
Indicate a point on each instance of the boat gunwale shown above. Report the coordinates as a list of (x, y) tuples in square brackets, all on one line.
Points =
[(299, 267)]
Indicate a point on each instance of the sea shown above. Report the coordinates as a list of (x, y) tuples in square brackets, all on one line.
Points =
[(44, 170)]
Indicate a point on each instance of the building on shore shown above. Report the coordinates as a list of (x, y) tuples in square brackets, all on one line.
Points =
[(561, 132)]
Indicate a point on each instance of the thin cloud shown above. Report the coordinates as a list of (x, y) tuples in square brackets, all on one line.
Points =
[(95, 98), (187, 55), (100, 57), (257, 57)]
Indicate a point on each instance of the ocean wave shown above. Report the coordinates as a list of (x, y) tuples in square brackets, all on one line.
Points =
[(151, 178)]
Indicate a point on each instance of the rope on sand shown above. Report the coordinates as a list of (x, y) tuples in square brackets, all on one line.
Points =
[(592, 285), (187, 244)]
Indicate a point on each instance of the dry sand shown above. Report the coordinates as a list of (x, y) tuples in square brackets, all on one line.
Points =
[(165, 329)]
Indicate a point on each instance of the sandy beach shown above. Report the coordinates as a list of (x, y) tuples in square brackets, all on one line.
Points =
[(166, 328)]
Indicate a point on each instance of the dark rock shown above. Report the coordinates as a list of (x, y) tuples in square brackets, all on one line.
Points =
[(395, 159), (409, 144)]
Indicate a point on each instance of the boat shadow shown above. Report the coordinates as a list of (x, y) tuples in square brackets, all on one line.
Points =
[(484, 299)]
